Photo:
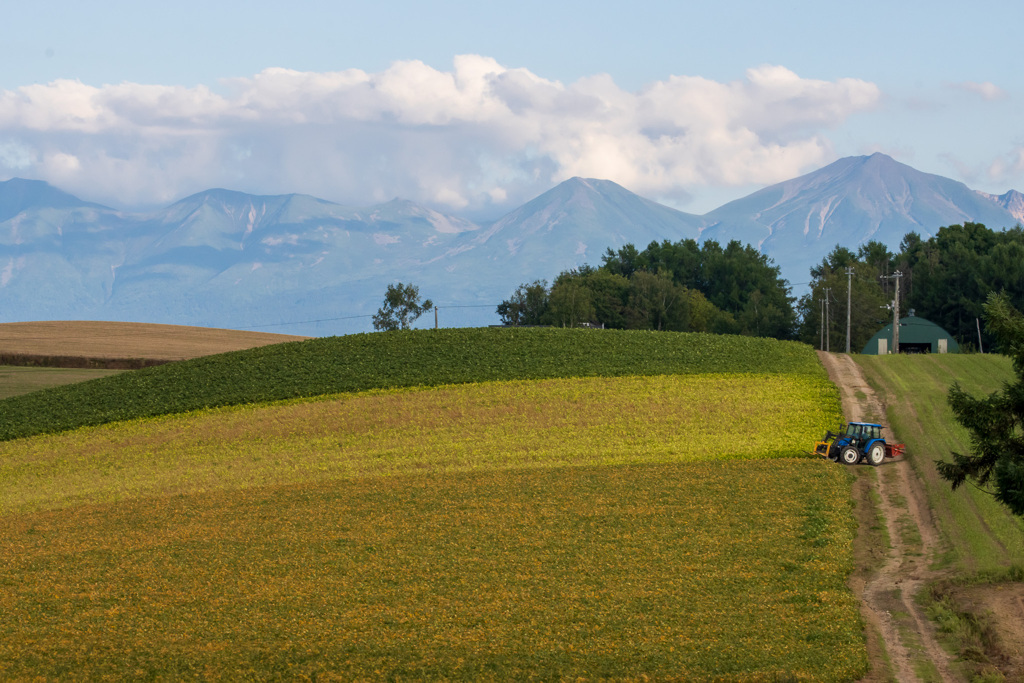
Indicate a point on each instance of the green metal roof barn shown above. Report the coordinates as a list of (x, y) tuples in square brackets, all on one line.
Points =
[(917, 335)]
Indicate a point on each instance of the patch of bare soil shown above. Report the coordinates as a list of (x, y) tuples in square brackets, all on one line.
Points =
[(901, 640), (58, 343)]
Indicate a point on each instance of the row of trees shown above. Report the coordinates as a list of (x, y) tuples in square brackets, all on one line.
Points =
[(678, 286), (946, 279), (684, 286)]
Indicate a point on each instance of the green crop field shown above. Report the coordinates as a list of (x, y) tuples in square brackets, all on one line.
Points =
[(579, 522), (390, 360), (982, 535)]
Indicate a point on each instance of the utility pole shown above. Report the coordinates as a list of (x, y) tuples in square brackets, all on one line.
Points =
[(828, 331), (821, 345), (435, 317), (895, 312), (849, 288), (896, 315)]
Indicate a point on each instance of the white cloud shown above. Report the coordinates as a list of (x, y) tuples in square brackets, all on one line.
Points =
[(986, 91), (478, 135), (1008, 166), (58, 106), (61, 164)]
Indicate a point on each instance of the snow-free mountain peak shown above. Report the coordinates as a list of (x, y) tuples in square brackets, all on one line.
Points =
[(1012, 201), (575, 222), (849, 202), (401, 211), (18, 195), (598, 207)]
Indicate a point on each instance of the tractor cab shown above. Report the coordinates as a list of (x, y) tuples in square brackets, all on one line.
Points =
[(861, 431), (858, 441)]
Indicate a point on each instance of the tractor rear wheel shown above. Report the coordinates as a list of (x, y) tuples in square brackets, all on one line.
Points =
[(850, 455), (876, 454)]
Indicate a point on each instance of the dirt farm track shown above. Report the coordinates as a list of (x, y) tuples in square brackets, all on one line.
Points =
[(888, 581)]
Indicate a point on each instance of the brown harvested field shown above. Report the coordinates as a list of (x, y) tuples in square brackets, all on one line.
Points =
[(15, 381), (57, 342)]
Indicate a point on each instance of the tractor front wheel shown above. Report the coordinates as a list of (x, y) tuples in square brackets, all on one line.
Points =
[(876, 455), (850, 455)]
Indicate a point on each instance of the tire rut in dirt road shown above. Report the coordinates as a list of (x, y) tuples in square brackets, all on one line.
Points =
[(886, 581)]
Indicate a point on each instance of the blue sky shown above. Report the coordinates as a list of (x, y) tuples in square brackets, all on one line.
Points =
[(478, 106)]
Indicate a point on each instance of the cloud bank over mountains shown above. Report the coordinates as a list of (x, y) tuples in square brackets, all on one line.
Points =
[(480, 137)]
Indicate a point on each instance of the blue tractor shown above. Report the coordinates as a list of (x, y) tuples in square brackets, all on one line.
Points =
[(859, 441)]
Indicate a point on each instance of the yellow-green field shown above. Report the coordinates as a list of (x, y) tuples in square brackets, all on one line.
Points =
[(616, 529), (675, 572), (495, 425)]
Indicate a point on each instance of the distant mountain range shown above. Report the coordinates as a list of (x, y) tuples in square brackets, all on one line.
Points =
[(302, 265)]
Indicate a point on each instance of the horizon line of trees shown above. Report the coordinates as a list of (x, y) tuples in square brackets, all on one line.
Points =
[(946, 279), (679, 286), (684, 286)]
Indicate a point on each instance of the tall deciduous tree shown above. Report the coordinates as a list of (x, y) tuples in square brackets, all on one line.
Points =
[(571, 302), (996, 422), (657, 303), (528, 305), (401, 308)]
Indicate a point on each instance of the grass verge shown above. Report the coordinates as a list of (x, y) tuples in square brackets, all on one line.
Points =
[(981, 534)]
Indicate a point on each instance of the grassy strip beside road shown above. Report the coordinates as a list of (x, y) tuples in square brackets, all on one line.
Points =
[(498, 425), (724, 570), (982, 535), (390, 360)]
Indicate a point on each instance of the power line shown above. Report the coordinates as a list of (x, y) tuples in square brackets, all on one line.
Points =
[(355, 317), (306, 322), (469, 306)]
